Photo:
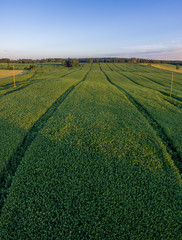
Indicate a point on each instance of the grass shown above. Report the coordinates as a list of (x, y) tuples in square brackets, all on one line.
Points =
[(97, 155)]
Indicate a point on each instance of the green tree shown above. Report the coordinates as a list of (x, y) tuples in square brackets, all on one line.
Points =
[(90, 60), (70, 62), (133, 60), (177, 67)]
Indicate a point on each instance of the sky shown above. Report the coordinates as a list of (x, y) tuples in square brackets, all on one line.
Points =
[(91, 28)]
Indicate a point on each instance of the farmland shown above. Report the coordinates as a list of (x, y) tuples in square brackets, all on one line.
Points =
[(169, 67), (9, 73), (91, 152)]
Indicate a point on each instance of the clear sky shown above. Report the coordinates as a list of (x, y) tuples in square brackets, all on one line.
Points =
[(91, 28)]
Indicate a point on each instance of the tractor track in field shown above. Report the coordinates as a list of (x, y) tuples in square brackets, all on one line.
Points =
[(67, 74), (3, 87), (172, 96), (168, 78), (172, 151), (128, 69), (130, 79), (143, 77), (165, 77), (18, 88), (150, 79), (27, 84), (14, 161), (109, 67), (164, 93), (81, 66), (177, 104), (120, 68)]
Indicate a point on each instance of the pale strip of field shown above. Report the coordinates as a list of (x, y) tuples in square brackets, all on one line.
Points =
[(168, 67), (9, 73)]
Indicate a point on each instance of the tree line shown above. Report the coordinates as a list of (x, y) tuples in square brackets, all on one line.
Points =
[(72, 62)]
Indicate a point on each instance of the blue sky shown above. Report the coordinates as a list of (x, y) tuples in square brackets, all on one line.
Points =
[(95, 28)]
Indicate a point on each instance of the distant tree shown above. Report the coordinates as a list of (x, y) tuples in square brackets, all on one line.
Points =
[(51, 60), (8, 67), (43, 60), (121, 60), (5, 60), (156, 61), (58, 60), (90, 60), (177, 67), (70, 62), (31, 67), (64, 62), (133, 60)]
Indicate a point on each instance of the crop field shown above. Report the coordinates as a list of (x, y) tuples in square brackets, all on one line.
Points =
[(9, 73), (91, 152), (169, 67)]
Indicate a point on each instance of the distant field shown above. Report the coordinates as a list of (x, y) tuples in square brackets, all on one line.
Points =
[(9, 73), (168, 67), (91, 152)]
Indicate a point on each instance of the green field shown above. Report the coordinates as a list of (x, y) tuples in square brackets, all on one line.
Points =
[(91, 152), (169, 67)]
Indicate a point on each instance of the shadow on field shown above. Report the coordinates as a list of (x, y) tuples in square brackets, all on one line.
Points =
[(18, 87)]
